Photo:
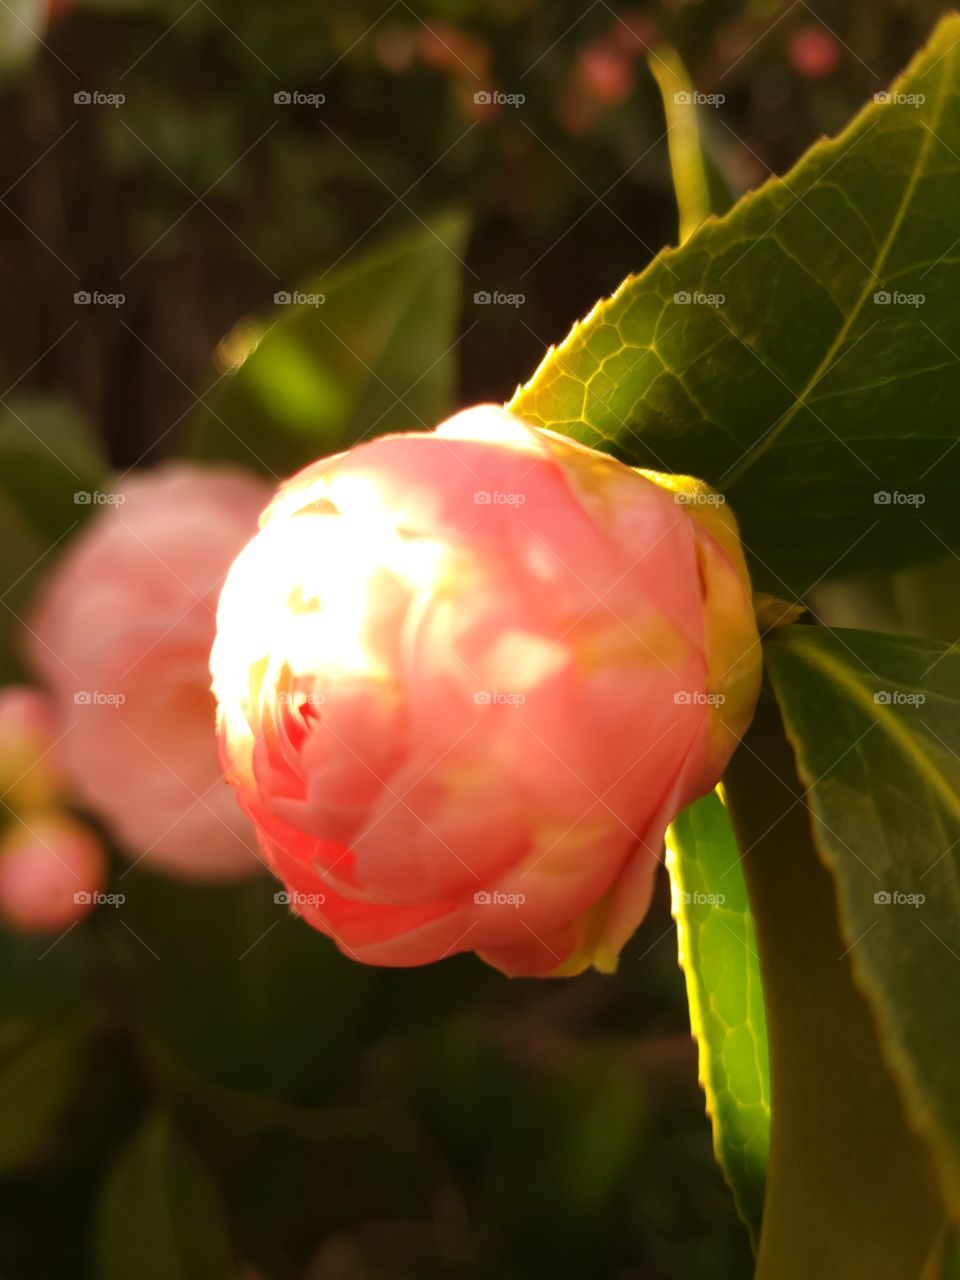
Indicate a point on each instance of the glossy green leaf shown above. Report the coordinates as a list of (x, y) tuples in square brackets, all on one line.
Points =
[(722, 970), (160, 1215), (875, 724), (761, 356), (372, 350), (851, 1191)]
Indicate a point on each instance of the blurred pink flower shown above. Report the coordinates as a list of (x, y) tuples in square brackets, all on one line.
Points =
[(51, 869), (465, 680), (122, 636), (605, 71)]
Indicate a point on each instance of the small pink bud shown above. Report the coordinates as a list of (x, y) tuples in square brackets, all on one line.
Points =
[(465, 680), (51, 870), (29, 729)]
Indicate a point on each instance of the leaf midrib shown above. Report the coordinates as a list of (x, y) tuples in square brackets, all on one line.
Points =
[(887, 721), (823, 367)]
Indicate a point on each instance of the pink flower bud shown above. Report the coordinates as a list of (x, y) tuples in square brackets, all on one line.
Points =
[(29, 731), (466, 678), (51, 870)]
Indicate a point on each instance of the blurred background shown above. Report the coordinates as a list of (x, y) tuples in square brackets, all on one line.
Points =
[(235, 238)]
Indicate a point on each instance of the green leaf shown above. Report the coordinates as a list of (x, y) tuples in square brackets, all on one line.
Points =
[(785, 385), (39, 1072), (160, 1216), (950, 1269), (49, 469), (51, 479), (944, 1260), (875, 724), (851, 1191), (376, 355), (22, 559), (722, 970)]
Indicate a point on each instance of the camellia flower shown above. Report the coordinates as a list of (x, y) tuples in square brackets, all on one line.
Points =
[(465, 680), (122, 636)]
